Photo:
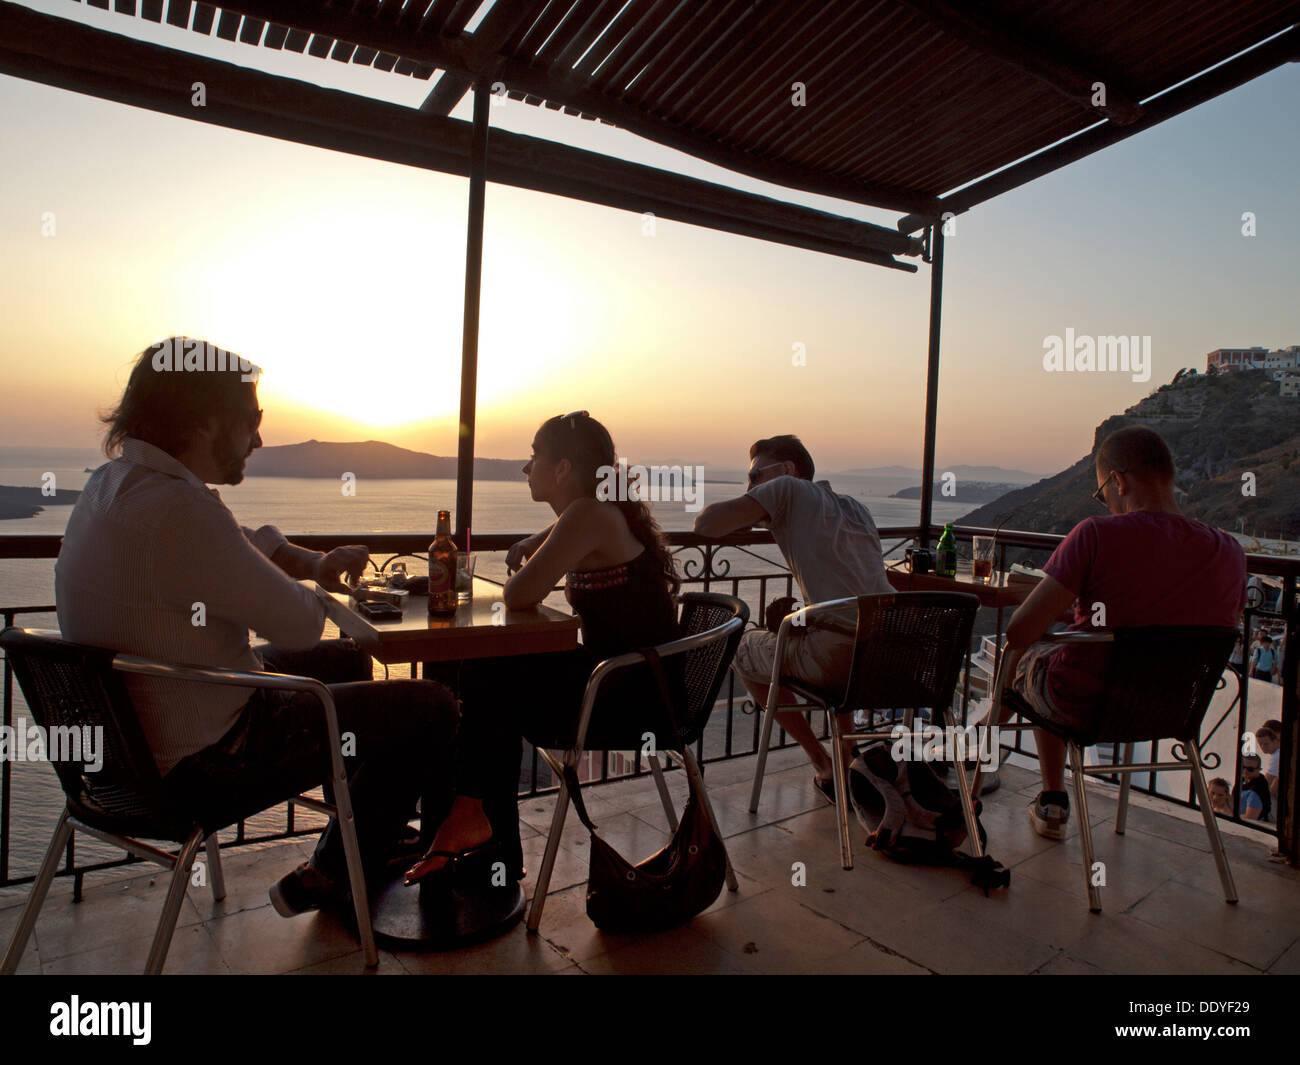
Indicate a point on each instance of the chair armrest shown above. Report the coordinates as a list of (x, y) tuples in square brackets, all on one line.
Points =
[(606, 667), (1075, 637), (151, 667)]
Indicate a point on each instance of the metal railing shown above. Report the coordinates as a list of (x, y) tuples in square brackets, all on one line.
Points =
[(733, 731)]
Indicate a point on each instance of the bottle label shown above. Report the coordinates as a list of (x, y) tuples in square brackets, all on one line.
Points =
[(439, 577)]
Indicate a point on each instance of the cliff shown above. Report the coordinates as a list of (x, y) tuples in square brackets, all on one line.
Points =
[(1219, 428)]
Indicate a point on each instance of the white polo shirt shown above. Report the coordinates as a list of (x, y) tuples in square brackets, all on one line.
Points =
[(828, 539), (153, 563)]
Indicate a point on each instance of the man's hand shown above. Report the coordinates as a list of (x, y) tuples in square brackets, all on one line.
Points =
[(351, 560)]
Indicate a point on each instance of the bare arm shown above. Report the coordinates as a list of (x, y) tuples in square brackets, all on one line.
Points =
[(729, 515), (1043, 608), (578, 532)]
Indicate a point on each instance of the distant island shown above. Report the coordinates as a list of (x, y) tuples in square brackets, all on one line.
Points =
[(963, 492), (17, 502), (372, 459)]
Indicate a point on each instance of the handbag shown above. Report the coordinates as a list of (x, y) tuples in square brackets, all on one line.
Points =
[(668, 888)]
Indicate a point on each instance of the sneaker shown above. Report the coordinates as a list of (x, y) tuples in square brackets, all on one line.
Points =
[(1049, 819), (305, 890)]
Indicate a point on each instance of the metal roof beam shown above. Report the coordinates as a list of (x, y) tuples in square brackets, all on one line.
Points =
[(1246, 67), (471, 57), (69, 55), (993, 34)]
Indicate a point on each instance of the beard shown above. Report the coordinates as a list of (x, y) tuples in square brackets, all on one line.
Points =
[(229, 461)]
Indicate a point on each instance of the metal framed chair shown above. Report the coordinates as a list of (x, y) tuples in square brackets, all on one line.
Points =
[(70, 685), (1158, 686), (711, 625), (907, 652)]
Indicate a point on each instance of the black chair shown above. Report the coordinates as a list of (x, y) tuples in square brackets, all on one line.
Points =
[(710, 625), (1158, 686), (71, 686), (908, 650)]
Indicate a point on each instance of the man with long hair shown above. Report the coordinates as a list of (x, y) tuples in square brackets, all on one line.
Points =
[(153, 563)]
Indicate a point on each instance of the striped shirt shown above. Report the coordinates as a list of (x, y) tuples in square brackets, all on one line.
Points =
[(153, 563)]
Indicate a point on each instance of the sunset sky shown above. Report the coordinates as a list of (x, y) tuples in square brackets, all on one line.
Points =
[(342, 278)]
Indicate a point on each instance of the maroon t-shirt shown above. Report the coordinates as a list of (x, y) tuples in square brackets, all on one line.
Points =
[(1145, 568)]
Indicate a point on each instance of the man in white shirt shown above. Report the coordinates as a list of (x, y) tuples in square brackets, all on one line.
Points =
[(153, 563), (831, 545)]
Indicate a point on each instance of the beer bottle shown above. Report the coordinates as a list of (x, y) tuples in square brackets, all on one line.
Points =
[(946, 561), (442, 568)]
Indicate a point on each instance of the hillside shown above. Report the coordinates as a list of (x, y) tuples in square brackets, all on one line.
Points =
[(372, 459), (1218, 428)]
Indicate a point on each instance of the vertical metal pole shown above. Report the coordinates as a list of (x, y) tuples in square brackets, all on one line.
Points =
[(932, 378), (1288, 783), (473, 286)]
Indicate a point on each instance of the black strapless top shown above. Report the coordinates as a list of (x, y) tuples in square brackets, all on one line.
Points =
[(623, 608)]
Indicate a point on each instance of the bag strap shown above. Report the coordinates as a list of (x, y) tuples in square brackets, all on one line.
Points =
[(657, 667), (571, 777)]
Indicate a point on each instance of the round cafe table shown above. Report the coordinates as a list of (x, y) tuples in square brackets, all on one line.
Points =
[(445, 918)]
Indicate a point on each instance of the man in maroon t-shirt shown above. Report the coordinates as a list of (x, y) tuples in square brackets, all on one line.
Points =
[(1143, 564)]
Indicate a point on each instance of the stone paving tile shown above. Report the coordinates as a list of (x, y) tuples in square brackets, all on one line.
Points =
[(1122, 943), (1064, 965), (353, 964), (261, 941), (1251, 932), (514, 952), (682, 951), (1289, 962), (769, 935), (192, 952), (116, 912)]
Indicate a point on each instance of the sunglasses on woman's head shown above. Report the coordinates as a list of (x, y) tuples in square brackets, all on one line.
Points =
[(571, 419)]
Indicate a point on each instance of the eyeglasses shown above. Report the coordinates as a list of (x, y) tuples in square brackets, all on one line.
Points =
[(754, 475), (570, 419), (253, 419), (1100, 494)]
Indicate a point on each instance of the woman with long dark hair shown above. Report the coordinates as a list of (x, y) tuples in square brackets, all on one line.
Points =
[(620, 580)]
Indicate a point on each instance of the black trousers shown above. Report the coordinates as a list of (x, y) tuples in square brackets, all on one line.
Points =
[(539, 698), (398, 738)]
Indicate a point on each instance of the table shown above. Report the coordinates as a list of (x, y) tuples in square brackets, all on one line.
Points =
[(414, 918), (1000, 594), (481, 628)]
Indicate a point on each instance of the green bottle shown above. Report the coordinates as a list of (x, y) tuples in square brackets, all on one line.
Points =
[(945, 564)]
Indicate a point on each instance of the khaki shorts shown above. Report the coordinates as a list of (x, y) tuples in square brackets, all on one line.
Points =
[(820, 659), (1030, 682)]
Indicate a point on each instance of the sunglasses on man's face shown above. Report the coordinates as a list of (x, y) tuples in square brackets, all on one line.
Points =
[(253, 419), (1100, 494)]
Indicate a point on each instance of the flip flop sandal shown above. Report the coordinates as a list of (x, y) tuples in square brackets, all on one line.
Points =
[(444, 872)]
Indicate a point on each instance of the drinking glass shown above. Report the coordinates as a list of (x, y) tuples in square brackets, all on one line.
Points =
[(465, 562), (982, 548)]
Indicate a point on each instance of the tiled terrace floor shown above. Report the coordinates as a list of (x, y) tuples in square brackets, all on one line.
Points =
[(1163, 910)]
